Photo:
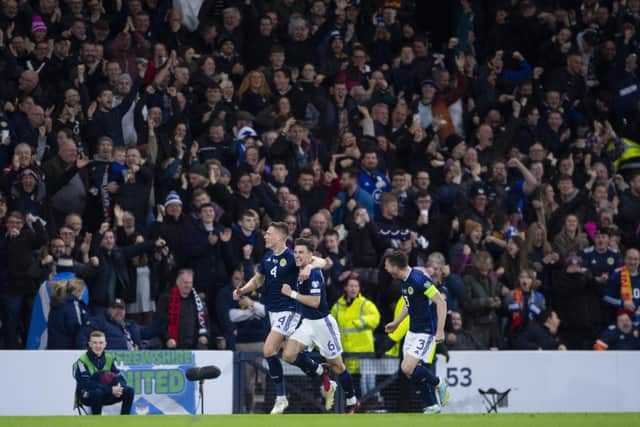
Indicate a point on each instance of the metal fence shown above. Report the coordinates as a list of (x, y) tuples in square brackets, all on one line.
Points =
[(378, 384)]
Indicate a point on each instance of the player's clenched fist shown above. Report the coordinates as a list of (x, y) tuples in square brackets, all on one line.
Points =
[(286, 290), (390, 327)]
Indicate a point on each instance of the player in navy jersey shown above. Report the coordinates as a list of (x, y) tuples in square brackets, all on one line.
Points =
[(277, 268), (318, 328), (426, 329)]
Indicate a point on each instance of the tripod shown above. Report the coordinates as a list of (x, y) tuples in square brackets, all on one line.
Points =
[(201, 396)]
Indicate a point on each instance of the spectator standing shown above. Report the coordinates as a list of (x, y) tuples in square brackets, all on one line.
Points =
[(182, 315)]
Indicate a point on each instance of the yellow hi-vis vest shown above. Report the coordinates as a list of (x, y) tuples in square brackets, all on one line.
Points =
[(400, 331), (356, 322)]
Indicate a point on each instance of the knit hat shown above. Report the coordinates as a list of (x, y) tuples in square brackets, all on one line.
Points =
[(245, 133), (573, 259), (29, 171), (172, 198), (477, 190), (453, 140), (470, 226), (118, 302), (429, 82), (37, 24)]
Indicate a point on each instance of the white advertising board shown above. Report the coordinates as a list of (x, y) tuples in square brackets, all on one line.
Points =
[(41, 382), (540, 381)]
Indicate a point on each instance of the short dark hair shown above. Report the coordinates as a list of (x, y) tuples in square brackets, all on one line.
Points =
[(544, 315), (397, 172), (332, 232), (397, 259), (352, 172), (281, 227), (306, 171), (306, 243)]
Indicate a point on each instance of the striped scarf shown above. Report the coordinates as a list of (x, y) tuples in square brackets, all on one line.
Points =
[(174, 313), (626, 294), (516, 318)]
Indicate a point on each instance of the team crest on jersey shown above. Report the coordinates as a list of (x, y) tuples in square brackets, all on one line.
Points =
[(343, 261), (410, 290), (610, 260), (283, 262), (315, 284)]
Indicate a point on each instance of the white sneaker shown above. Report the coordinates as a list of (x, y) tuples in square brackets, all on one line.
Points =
[(281, 404), (433, 409), (329, 395)]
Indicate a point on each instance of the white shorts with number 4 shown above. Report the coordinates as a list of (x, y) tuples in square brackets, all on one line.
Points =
[(420, 346), (284, 322), (323, 333)]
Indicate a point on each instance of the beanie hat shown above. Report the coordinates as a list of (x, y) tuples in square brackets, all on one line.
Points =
[(37, 24), (573, 259), (172, 198), (246, 132), (470, 226)]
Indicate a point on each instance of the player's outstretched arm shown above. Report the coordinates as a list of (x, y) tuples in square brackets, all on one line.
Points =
[(312, 301), (254, 283), (392, 326)]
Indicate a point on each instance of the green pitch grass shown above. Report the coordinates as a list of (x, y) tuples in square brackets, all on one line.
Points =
[(365, 420)]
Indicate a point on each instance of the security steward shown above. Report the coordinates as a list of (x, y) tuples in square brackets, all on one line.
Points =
[(99, 382)]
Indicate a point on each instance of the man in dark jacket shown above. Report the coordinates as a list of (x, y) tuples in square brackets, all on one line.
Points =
[(98, 379), (628, 218), (245, 238), (458, 338), (173, 228), (121, 334), (67, 183), (113, 273), (182, 315), (541, 334), (624, 335), (22, 241), (107, 119), (575, 296)]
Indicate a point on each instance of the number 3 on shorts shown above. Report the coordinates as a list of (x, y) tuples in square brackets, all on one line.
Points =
[(420, 346)]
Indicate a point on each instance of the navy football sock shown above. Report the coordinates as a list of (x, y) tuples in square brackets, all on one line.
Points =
[(307, 364), (346, 381), (276, 374), (421, 374), (425, 381)]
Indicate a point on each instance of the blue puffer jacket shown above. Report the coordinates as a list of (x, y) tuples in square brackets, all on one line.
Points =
[(65, 322)]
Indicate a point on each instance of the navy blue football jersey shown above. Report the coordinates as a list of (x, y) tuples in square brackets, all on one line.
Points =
[(417, 291), (315, 286), (278, 270)]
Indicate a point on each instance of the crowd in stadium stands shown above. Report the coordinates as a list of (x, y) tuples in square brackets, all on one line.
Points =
[(491, 141)]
